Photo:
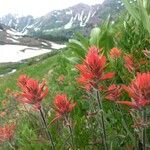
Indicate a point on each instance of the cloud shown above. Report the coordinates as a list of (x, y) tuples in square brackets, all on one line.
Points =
[(38, 7)]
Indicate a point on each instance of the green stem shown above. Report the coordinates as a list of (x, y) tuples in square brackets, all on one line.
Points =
[(102, 120), (11, 146), (70, 130), (47, 131), (126, 127), (144, 130)]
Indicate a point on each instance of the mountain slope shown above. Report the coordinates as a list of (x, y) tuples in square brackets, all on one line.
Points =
[(13, 37), (64, 22)]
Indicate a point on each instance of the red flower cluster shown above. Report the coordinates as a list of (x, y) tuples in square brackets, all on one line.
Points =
[(115, 53), (6, 132), (63, 105), (22, 80), (129, 63), (61, 78), (32, 92), (92, 69), (139, 91), (114, 92)]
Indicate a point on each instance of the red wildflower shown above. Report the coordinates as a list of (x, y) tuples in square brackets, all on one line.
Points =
[(84, 81), (139, 91), (4, 102), (129, 64), (92, 69), (6, 132), (102, 88), (115, 53), (22, 80), (2, 114), (113, 92), (63, 105), (32, 91), (139, 64), (61, 78), (8, 91)]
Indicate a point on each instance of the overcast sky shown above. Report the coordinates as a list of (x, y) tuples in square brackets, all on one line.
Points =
[(38, 7)]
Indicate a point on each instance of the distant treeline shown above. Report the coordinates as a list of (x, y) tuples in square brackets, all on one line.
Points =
[(53, 38)]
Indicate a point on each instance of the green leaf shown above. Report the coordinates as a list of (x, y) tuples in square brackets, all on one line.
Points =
[(94, 37), (132, 10), (77, 47), (73, 60), (83, 40)]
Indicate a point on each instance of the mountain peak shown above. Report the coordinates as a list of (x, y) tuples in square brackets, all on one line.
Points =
[(81, 5), (80, 17)]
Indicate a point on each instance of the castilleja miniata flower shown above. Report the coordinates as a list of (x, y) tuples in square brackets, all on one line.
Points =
[(62, 105), (6, 132), (32, 91), (139, 91), (115, 53), (129, 63), (113, 92), (92, 69), (22, 80), (61, 78)]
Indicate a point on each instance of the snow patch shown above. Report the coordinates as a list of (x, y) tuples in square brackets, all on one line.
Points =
[(13, 40), (16, 37), (10, 22), (36, 29), (19, 52), (93, 13), (13, 32), (24, 29), (30, 26), (82, 24), (57, 46), (80, 16), (44, 43), (69, 12), (69, 24), (58, 21), (11, 72), (51, 30)]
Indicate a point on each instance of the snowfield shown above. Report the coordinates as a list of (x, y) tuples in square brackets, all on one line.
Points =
[(16, 53), (57, 46)]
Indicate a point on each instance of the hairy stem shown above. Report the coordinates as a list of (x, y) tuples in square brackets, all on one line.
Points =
[(70, 130), (47, 131), (124, 124), (102, 121), (11, 146), (144, 130)]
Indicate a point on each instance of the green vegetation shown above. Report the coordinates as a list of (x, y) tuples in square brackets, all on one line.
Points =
[(37, 69), (95, 117)]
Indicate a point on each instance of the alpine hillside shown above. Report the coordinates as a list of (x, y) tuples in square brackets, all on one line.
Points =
[(61, 24)]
